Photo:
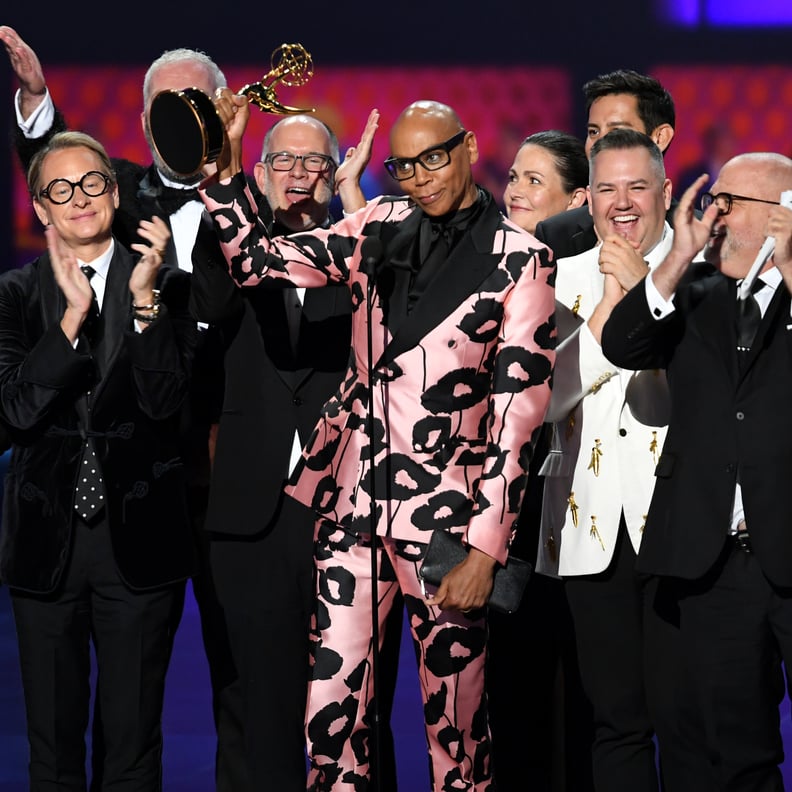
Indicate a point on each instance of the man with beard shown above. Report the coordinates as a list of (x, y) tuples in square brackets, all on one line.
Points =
[(156, 190), (717, 530)]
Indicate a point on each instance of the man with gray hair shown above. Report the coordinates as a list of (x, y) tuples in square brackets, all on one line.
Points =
[(245, 591)]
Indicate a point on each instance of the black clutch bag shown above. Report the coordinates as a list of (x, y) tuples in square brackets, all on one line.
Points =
[(445, 551)]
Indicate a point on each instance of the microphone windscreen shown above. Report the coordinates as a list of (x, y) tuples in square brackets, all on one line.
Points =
[(371, 252)]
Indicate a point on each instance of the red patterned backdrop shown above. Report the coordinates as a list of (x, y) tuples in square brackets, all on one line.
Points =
[(750, 108), (501, 105)]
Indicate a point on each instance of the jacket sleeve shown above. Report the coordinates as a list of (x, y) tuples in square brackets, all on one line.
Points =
[(162, 356), (39, 371), (633, 339), (520, 393), (214, 297), (26, 148)]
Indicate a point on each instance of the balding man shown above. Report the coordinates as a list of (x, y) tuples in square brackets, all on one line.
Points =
[(284, 354), (460, 320), (718, 527)]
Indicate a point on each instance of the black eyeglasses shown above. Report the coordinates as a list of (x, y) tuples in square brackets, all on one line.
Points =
[(724, 201), (432, 159), (285, 161), (93, 184)]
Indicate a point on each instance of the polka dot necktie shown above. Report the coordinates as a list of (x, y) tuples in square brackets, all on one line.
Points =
[(89, 497)]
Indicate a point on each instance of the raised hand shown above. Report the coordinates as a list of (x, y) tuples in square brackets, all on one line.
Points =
[(690, 232), (349, 173), (72, 282), (234, 111), (26, 66), (152, 254), (690, 236)]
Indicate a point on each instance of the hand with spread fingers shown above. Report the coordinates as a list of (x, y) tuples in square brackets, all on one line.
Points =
[(73, 283), (26, 66), (347, 179), (144, 276)]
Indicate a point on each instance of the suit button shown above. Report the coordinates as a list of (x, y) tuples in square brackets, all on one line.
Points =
[(740, 415), (622, 433), (297, 401)]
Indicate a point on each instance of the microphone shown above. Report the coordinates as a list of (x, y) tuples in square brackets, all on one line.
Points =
[(768, 246), (371, 253)]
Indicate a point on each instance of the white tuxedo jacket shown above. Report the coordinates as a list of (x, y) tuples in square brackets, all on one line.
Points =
[(608, 429)]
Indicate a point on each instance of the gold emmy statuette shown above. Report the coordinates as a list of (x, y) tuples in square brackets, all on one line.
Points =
[(185, 128)]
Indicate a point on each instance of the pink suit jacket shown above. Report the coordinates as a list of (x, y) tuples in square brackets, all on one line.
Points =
[(459, 390)]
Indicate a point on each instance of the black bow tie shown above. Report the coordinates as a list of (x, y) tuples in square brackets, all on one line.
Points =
[(171, 199)]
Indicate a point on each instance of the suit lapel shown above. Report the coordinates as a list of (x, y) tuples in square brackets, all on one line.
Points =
[(716, 317), (148, 201), (471, 261), (767, 327), (116, 312)]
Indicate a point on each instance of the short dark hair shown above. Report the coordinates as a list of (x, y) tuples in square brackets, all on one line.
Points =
[(655, 105), (569, 155), (626, 138)]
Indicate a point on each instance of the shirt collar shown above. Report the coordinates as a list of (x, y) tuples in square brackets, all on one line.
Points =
[(101, 264)]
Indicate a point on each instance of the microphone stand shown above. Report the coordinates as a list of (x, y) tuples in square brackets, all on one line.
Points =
[(371, 254)]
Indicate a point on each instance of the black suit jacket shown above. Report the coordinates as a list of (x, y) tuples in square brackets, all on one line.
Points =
[(270, 389), (724, 424), (138, 382), (572, 232), (139, 190)]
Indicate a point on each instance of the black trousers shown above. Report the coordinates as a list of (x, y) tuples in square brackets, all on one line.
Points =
[(258, 596), (132, 637), (737, 628), (633, 669)]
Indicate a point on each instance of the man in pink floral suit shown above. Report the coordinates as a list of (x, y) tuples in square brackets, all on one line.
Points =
[(457, 324)]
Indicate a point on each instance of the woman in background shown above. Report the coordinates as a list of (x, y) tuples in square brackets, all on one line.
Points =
[(549, 175), (551, 747)]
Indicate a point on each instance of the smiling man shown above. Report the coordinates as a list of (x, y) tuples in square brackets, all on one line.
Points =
[(609, 427), (436, 434), (296, 173), (717, 530), (622, 99)]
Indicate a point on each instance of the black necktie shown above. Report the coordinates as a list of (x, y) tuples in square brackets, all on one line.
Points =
[(171, 199), (89, 327), (293, 315), (89, 495), (749, 316)]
